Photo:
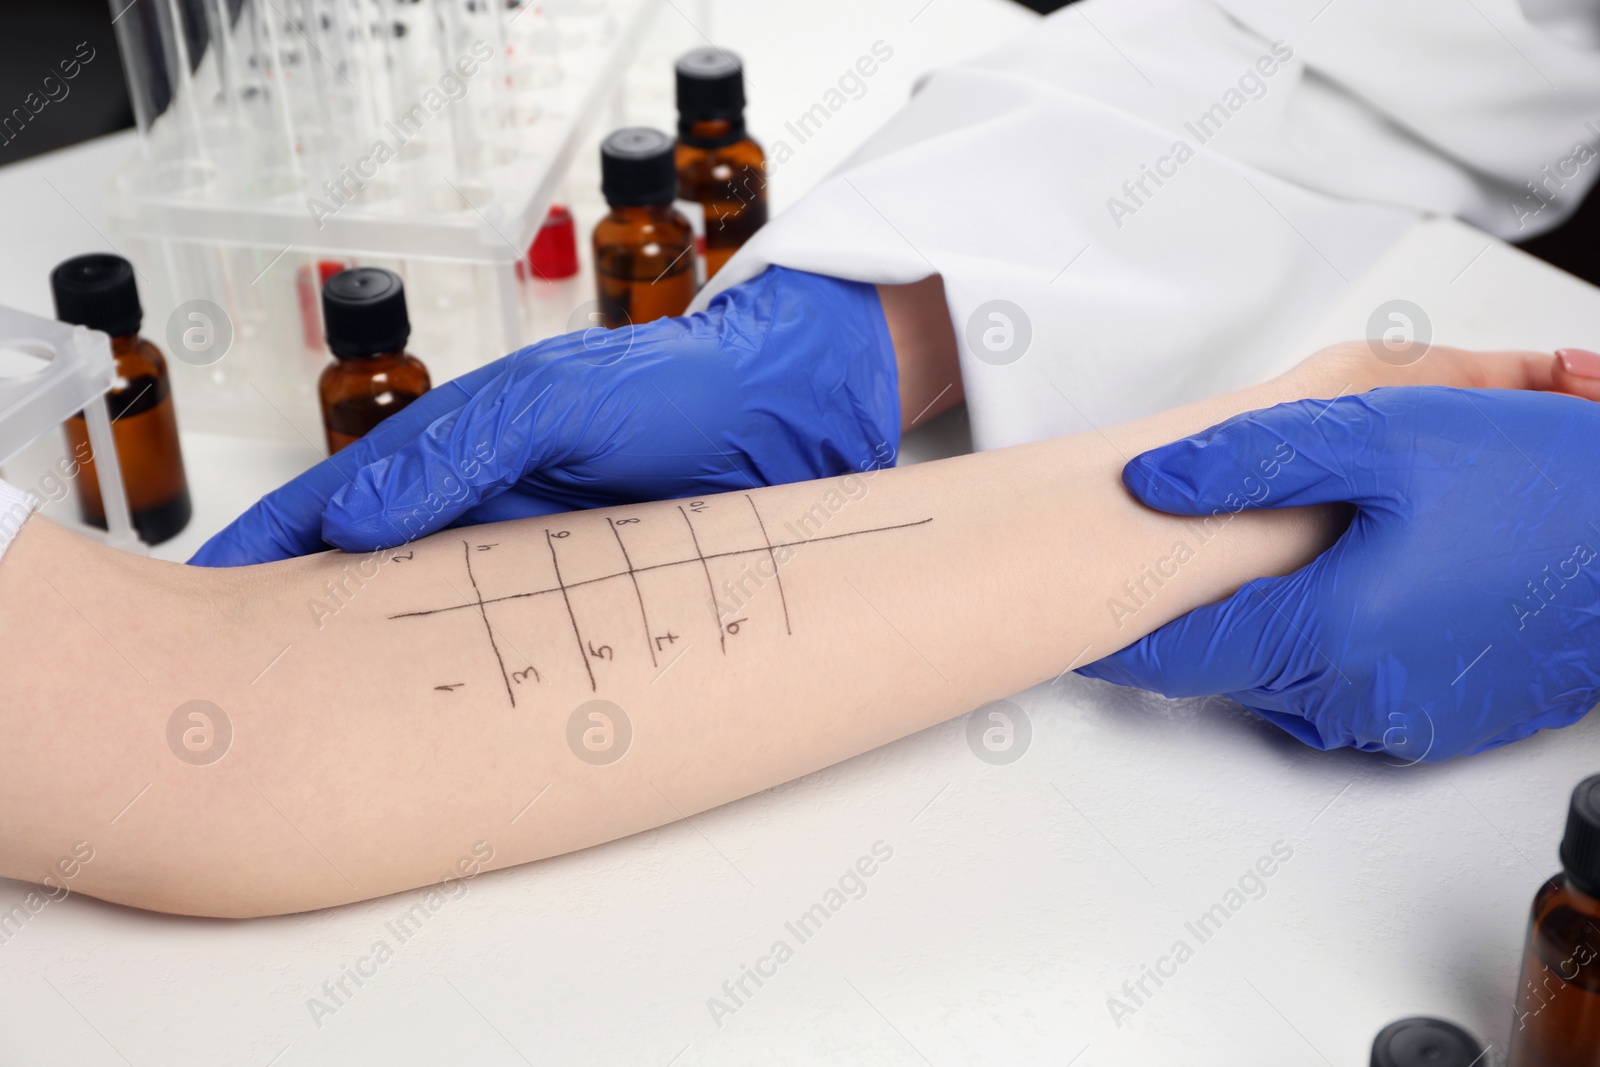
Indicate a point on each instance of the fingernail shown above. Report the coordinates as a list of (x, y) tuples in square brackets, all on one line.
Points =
[(1580, 362)]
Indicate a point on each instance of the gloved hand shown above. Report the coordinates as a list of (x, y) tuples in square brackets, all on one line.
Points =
[(785, 377), (1459, 611)]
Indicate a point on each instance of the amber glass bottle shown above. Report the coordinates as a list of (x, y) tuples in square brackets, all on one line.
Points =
[(98, 291), (372, 375), (644, 257), (722, 172), (1557, 1017)]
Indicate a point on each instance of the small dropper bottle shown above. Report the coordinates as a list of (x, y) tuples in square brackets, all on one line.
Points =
[(1424, 1042), (1557, 1016), (722, 172), (644, 257), (98, 291), (372, 375)]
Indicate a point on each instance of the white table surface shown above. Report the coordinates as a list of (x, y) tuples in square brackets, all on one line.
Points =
[(1018, 898)]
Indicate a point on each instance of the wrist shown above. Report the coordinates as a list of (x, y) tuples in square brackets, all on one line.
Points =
[(1337, 370), (1361, 366), (927, 363)]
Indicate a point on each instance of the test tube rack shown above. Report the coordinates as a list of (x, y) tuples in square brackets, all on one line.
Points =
[(281, 140), (50, 371)]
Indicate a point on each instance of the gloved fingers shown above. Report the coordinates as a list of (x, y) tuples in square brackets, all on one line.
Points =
[(287, 522), (1234, 645), (1305, 452), (1557, 719), (1298, 727), (466, 456), (281, 525)]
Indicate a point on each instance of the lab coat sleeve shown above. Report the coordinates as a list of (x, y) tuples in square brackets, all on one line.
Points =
[(15, 507), (1135, 205)]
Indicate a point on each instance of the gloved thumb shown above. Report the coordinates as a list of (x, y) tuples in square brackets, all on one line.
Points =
[(288, 521), (1219, 648), (1306, 452), (455, 463), (1253, 640)]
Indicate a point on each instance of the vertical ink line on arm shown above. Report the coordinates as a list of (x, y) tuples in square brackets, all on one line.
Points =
[(466, 549), (778, 577), (633, 576), (582, 653), (722, 638)]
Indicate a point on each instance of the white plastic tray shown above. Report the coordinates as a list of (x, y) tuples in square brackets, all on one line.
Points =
[(74, 372)]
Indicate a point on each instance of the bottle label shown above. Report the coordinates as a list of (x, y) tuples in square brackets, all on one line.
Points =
[(695, 212)]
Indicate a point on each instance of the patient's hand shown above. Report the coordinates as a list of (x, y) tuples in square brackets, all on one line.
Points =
[(1357, 366)]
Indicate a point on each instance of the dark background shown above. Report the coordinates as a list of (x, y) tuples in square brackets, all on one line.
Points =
[(40, 33)]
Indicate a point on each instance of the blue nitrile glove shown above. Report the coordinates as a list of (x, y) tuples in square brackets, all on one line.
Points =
[(1459, 611), (786, 377)]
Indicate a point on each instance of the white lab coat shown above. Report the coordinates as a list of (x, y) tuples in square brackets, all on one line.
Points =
[(1166, 194)]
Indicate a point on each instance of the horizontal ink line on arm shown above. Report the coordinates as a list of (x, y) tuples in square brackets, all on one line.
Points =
[(659, 566)]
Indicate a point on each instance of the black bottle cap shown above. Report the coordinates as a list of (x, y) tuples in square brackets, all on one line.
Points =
[(1424, 1042), (1580, 845), (97, 291), (364, 312), (638, 166), (710, 89)]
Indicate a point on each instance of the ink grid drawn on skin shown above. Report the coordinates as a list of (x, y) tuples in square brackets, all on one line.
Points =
[(693, 522)]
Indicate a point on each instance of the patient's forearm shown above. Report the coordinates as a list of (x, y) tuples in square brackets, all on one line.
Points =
[(387, 717), (390, 720)]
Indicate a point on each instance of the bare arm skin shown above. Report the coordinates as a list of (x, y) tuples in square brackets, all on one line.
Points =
[(929, 365), (924, 349), (389, 716)]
